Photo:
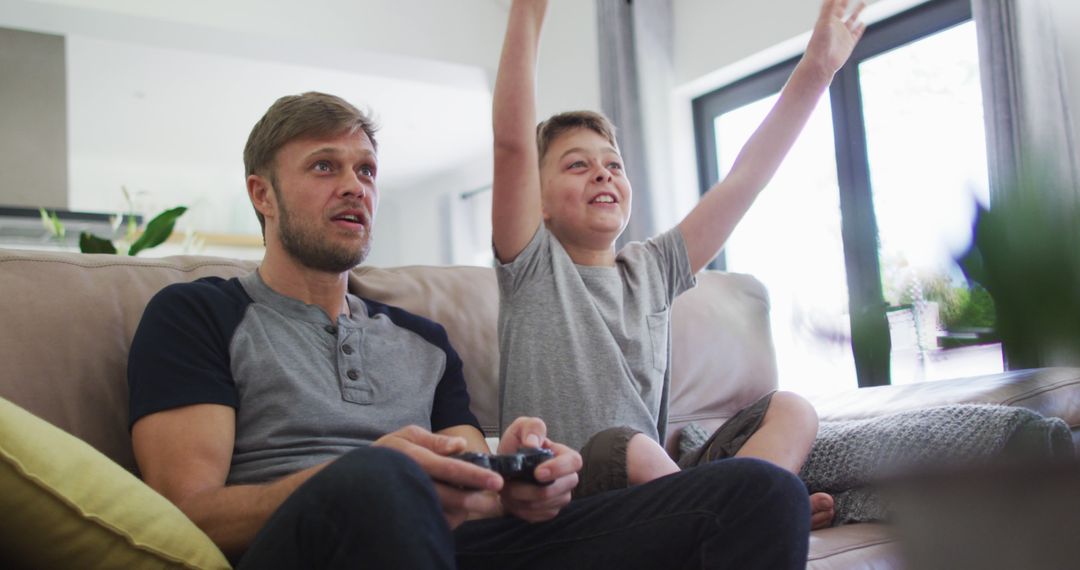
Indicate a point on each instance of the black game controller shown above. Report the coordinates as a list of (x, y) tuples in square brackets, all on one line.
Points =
[(512, 466)]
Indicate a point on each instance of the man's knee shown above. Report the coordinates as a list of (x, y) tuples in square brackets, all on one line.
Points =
[(373, 462), (759, 489), (374, 478), (371, 504), (763, 511)]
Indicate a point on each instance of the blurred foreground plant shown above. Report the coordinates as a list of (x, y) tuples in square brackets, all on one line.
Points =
[(1025, 253)]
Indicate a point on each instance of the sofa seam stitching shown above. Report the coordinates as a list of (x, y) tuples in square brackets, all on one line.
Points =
[(155, 265), (1040, 390), (845, 550)]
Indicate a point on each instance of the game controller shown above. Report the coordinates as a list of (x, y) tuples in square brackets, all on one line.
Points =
[(512, 466)]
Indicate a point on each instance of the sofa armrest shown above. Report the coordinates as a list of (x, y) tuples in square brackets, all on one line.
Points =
[(1048, 391)]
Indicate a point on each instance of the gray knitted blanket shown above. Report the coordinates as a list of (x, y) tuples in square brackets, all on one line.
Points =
[(848, 457)]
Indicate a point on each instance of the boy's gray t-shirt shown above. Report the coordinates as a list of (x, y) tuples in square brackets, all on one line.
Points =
[(586, 348)]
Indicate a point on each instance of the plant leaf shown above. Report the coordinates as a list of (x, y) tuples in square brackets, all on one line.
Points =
[(90, 243), (129, 233), (52, 223), (158, 230), (131, 227), (58, 226)]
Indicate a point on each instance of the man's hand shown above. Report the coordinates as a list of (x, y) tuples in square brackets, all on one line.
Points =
[(834, 36), (535, 503), (465, 490)]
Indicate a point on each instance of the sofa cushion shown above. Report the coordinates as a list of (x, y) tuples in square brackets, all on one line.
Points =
[(66, 505), (68, 323), (721, 351)]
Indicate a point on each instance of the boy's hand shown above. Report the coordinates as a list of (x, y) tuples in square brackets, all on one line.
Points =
[(834, 36), (535, 503), (523, 432)]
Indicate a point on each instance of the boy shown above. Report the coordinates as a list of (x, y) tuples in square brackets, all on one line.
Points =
[(583, 330)]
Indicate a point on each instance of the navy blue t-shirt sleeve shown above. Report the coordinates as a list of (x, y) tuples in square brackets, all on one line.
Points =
[(180, 353), (451, 407)]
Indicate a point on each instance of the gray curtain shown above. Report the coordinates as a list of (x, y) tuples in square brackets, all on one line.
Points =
[(1028, 120), (635, 42), (1028, 243)]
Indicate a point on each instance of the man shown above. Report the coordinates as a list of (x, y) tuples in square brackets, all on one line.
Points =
[(303, 427)]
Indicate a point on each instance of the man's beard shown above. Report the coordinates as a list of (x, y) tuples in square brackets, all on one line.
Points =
[(313, 253)]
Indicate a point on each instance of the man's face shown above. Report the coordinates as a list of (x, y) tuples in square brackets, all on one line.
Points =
[(326, 200), (585, 193)]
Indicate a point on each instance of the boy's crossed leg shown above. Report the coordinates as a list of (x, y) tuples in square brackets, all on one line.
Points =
[(778, 428)]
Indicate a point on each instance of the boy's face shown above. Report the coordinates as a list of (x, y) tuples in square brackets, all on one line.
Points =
[(584, 190)]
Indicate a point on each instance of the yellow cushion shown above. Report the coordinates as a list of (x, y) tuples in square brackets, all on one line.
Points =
[(65, 505)]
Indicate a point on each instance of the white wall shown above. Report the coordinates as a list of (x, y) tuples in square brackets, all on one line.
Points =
[(568, 78), (569, 70), (459, 31), (169, 124), (424, 218), (433, 39)]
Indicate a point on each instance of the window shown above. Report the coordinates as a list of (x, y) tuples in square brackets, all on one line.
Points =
[(855, 236)]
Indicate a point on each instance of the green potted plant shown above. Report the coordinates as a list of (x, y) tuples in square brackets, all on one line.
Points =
[(156, 232)]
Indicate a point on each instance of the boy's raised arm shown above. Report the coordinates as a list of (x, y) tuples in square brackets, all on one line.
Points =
[(516, 210), (710, 223)]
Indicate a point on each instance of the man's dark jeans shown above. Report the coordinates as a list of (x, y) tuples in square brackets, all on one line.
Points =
[(375, 508)]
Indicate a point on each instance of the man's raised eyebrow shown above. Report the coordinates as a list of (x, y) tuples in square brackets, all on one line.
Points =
[(323, 150), (333, 150), (608, 148)]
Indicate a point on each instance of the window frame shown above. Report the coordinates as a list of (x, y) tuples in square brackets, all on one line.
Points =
[(871, 346)]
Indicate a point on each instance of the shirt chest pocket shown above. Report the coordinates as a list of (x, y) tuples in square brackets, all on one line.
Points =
[(657, 326)]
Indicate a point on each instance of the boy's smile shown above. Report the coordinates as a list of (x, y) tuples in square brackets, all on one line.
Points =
[(604, 199), (586, 195)]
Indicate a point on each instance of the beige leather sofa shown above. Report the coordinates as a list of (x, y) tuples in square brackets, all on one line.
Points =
[(68, 319)]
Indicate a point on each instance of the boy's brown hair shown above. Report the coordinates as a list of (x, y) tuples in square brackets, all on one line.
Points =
[(549, 130), (310, 114)]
